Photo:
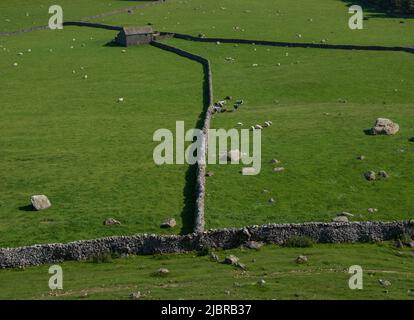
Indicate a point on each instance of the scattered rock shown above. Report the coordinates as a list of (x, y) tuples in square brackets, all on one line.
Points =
[(384, 283), (383, 174), (231, 259), (40, 202), (135, 295), (370, 175), (261, 283), (372, 210), (254, 245), (361, 157), (168, 223), (301, 259), (278, 169), (111, 222), (163, 271), (384, 126), (120, 99), (340, 219), (271, 200), (274, 161)]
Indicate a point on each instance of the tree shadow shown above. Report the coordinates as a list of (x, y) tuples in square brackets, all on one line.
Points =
[(189, 192), (380, 10)]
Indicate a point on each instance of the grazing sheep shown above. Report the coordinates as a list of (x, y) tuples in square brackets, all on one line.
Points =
[(258, 126), (221, 103)]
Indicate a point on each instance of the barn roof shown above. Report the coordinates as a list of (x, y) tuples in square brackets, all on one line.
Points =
[(137, 30)]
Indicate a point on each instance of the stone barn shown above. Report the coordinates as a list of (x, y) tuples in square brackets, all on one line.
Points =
[(131, 36)]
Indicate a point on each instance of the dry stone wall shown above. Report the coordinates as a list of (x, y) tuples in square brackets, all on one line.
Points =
[(221, 238)]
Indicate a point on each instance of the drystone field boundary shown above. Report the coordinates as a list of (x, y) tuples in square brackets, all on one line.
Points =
[(220, 238), (223, 238)]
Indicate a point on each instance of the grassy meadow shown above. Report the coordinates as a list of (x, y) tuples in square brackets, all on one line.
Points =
[(325, 276), (316, 136), (66, 135)]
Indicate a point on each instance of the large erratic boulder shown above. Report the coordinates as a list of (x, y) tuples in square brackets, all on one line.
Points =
[(384, 126), (40, 202)]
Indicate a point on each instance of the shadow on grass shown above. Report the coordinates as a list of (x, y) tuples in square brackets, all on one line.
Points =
[(113, 43), (188, 212), (379, 9), (29, 207)]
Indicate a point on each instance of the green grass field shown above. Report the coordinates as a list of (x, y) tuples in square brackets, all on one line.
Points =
[(69, 138), (325, 276)]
